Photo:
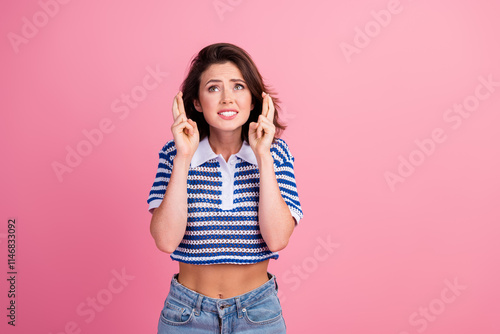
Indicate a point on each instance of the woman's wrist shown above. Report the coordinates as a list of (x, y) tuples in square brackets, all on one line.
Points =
[(264, 158), (183, 162)]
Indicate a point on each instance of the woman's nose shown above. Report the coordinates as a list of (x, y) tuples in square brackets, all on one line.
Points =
[(227, 96)]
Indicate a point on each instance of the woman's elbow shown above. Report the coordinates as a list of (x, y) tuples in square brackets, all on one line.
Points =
[(277, 245), (164, 246)]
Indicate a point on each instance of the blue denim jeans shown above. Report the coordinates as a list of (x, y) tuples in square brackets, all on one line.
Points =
[(257, 311)]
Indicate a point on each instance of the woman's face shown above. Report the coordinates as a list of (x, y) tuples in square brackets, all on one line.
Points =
[(224, 98)]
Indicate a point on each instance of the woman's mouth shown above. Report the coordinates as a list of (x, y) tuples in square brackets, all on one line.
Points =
[(227, 114)]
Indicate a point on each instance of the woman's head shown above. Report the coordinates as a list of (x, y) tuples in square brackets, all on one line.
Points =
[(224, 56)]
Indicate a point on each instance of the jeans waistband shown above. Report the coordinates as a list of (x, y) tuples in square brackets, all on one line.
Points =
[(200, 302)]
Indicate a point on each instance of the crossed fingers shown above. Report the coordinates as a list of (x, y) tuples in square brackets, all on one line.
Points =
[(265, 123), (181, 122), (267, 106)]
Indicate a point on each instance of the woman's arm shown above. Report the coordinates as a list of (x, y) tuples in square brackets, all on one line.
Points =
[(169, 220), (168, 223), (275, 220)]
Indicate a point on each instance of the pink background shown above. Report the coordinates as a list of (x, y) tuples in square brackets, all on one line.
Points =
[(393, 252)]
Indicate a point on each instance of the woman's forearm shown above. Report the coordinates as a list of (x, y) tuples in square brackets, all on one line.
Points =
[(275, 220), (169, 220)]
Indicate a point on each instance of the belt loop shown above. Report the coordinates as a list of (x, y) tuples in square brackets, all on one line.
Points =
[(197, 308), (238, 307)]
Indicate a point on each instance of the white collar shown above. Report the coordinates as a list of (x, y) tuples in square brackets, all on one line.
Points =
[(204, 153)]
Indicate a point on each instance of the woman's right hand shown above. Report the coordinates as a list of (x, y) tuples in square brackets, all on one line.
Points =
[(185, 130)]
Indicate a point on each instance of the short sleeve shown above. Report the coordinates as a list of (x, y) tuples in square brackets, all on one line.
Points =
[(165, 166), (285, 175)]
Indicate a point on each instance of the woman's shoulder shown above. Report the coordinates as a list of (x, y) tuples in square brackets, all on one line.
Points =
[(280, 151), (169, 145), (168, 151)]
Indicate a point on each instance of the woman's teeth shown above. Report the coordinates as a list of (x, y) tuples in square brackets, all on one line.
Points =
[(228, 113)]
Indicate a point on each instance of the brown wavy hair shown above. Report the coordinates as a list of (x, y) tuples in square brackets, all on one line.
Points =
[(221, 53)]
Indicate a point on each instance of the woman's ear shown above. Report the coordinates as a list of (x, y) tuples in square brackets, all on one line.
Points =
[(197, 105)]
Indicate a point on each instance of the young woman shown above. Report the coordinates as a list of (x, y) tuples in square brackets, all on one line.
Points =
[(224, 200)]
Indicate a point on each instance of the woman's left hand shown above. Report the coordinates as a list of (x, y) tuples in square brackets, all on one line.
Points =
[(261, 133)]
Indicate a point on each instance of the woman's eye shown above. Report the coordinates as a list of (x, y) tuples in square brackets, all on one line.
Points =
[(239, 87), (213, 88)]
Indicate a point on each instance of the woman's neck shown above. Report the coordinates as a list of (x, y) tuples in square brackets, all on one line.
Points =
[(226, 143)]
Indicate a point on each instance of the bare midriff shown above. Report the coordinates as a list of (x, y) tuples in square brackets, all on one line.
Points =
[(223, 280)]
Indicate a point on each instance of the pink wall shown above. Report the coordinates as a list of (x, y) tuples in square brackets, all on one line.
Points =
[(393, 113)]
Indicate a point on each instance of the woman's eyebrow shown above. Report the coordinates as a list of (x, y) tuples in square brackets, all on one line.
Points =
[(217, 80)]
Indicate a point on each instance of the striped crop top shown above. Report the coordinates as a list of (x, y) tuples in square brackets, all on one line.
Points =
[(223, 198)]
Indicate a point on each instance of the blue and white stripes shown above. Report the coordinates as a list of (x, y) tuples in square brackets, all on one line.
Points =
[(216, 235)]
